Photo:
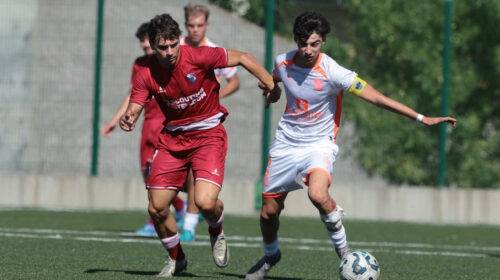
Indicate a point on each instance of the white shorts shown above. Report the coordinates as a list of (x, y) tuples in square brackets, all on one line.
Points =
[(286, 161)]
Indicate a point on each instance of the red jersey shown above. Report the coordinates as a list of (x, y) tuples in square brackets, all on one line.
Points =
[(151, 109), (188, 93)]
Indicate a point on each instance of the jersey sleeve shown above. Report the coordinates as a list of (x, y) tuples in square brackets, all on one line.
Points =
[(339, 76), (139, 92), (211, 57)]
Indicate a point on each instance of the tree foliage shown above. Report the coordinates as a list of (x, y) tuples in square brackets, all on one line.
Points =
[(397, 46)]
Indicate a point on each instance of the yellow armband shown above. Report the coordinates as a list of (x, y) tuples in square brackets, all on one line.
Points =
[(357, 87)]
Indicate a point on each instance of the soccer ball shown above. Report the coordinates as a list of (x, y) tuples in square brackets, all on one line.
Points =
[(359, 265)]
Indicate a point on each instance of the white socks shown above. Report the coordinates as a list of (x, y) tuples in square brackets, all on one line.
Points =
[(190, 222), (170, 242), (338, 238)]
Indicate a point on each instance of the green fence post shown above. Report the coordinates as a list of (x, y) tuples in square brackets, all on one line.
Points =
[(267, 112), (94, 166)]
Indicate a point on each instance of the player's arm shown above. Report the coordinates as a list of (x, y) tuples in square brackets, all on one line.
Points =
[(232, 85), (129, 119), (368, 93), (111, 125), (249, 62)]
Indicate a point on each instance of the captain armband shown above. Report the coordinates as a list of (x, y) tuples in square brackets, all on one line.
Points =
[(357, 87)]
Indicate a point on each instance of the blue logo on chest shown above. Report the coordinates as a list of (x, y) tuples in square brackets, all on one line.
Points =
[(191, 77)]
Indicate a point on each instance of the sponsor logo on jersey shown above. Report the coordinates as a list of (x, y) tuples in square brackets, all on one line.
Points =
[(185, 101), (191, 77)]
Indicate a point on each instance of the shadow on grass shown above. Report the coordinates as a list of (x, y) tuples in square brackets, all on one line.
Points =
[(493, 255), (137, 272), (267, 277)]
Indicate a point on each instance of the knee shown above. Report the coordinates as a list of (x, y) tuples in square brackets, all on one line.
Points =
[(270, 211), (318, 196), (205, 204), (157, 212)]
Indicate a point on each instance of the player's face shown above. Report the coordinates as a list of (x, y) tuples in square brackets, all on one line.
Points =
[(167, 52), (145, 46), (309, 49), (196, 26)]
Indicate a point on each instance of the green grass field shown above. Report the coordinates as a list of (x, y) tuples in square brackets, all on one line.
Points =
[(41, 244)]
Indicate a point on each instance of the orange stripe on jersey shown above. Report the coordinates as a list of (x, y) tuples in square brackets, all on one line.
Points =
[(286, 62), (318, 68), (336, 117)]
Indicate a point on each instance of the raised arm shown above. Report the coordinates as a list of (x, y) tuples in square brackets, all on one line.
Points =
[(129, 119), (248, 62), (111, 125), (233, 84), (370, 94)]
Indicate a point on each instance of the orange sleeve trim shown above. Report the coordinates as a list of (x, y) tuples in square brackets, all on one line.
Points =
[(306, 180)]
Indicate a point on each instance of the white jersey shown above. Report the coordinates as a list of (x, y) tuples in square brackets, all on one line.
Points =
[(314, 98), (227, 72)]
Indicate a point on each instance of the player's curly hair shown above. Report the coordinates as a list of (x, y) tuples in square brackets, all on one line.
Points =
[(309, 22), (163, 26)]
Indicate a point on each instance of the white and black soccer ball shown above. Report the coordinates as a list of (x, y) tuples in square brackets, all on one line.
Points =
[(359, 265)]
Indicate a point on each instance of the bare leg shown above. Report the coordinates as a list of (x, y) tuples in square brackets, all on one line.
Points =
[(330, 214), (269, 217), (318, 192), (159, 203), (206, 200), (211, 207)]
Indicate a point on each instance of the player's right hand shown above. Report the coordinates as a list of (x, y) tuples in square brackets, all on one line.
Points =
[(127, 122), (273, 95)]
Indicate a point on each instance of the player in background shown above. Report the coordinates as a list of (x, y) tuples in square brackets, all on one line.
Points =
[(305, 142), (196, 23), (182, 80), (151, 127)]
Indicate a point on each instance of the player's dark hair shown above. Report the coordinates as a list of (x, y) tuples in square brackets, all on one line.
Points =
[(309, 22), (142, 31), (163, 26)]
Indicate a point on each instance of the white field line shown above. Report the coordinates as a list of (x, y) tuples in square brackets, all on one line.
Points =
[(259, 239), (242, 241)]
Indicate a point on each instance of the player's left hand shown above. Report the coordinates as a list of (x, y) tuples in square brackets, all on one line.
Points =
[(433, 121)]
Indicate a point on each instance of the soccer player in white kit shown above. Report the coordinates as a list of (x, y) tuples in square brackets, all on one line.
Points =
[(305, 140)]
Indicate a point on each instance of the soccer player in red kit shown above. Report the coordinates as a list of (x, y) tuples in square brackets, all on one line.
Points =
[(151, 128), (182, 80)]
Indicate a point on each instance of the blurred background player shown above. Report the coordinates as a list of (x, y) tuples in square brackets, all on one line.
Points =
[(151, 127), (183, 82), (196, 23), (305, 140)]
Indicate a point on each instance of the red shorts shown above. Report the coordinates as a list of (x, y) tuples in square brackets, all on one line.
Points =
[(151, 129), (204, 151)]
